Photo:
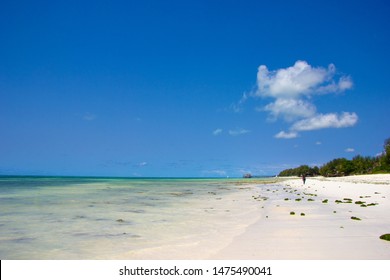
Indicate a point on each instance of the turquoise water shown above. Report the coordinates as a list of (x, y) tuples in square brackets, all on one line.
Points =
[(103, 218)]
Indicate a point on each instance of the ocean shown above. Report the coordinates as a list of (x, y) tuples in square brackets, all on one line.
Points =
[(122, 218)]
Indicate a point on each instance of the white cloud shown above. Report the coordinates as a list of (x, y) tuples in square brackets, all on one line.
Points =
[(322, 121), (318, 143), (292, 89), (238, 132), (218, 131), (286, 135), (290, 109), (350, 150), (142, 164), (345, 83), (237, 107), (301, 79)]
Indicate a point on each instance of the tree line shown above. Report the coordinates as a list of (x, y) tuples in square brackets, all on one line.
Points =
[(344, 167)]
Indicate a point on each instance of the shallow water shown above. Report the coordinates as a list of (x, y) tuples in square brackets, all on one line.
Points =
[(103, 218)]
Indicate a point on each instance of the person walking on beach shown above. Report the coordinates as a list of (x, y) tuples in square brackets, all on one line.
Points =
[(304, 178)]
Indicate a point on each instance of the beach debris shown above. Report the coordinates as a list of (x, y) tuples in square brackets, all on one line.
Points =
[(372, 204), (345, 200), (325, 201), (303, 214), (385, 236), (309, 194), (310, 199), (292, 213), (355, 218), (120, 220), (359, 202), (259, 197)]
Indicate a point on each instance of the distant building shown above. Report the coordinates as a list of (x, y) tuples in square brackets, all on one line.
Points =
[(247, 175)]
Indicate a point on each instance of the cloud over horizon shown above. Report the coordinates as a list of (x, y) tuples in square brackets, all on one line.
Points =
[(292, 89)]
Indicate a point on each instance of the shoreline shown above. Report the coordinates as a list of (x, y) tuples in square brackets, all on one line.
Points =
[(322, 226)]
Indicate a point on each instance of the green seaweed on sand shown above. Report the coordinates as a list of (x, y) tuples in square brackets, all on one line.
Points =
[(355, 218), (385, 236), (292, 213), (303, 214), (325, 201)]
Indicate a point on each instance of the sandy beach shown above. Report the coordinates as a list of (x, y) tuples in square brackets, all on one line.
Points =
[(327, 218), (196, 219)]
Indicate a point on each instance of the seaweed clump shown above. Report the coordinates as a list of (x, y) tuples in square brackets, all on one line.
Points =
[(385, 236)]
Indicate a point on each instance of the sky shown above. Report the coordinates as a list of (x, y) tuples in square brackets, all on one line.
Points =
[(190, 88)]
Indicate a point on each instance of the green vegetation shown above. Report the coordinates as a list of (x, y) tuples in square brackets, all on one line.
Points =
[(385, 236), (344, 167), (299, 171), (372, 204), (359, 202)]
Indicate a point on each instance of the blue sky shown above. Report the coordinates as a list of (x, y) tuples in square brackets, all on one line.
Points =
[(190, 88)]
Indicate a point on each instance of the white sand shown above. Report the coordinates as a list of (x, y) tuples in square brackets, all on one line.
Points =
[(327, 230)]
